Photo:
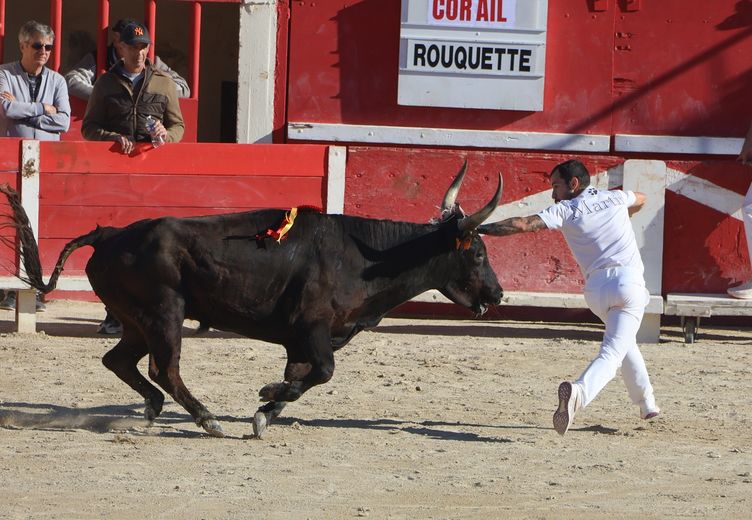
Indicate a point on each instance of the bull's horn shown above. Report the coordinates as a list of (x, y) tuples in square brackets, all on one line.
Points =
[(451, 193), (476, 219)]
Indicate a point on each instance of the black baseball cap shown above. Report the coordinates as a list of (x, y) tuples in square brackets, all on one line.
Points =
[(121, 24), (134, 33)]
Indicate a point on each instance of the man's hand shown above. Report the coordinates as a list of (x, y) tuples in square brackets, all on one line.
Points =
[(745, 156), (126, 145), (159, 130), (50, 110), (7, 96)]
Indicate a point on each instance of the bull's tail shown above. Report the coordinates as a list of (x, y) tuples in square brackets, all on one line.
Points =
[(30, 251)]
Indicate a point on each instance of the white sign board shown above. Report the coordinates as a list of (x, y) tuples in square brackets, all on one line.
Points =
[(473, 53)]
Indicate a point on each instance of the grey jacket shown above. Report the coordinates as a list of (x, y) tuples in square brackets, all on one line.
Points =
[(80, 78), (26, 118)]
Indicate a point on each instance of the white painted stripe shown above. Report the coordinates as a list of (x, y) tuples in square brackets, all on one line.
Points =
[(29, 189), (677, 144), (256, 71), (64, 283), (649, 177), (335, 180), (447, 137), (540, 299), (705, 192)]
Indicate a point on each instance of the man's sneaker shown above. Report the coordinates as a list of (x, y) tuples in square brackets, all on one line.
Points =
[(649, 412), (743, 291), (570, 401), (41, 307), (110, 325), (9, 302)]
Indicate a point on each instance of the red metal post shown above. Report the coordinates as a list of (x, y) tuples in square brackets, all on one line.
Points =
[(194, 51), (103, 23), (2, 30), (150, 20), (56, 21)]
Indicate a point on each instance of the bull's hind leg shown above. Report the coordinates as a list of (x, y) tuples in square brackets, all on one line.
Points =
[(123, 359), (163, 334), (309, 363)]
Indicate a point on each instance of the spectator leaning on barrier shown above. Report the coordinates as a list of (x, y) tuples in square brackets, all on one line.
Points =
[(131, 91), (744, 290), (81, 77), (122, 100), (596, 227), (34, 101)]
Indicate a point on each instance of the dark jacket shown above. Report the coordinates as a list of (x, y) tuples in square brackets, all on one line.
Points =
[(114, 110)]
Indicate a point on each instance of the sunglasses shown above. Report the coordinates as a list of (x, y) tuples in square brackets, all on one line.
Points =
[(39, 46)]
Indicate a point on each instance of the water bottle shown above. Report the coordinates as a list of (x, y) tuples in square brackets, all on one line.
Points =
[(151, 127)]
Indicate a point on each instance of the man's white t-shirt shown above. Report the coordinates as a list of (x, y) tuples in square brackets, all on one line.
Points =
[(597, 229)]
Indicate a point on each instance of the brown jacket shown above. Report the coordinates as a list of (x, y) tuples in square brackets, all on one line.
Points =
[(114, 110)]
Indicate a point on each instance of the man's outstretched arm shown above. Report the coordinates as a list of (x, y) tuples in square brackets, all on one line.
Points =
[(512, 226)]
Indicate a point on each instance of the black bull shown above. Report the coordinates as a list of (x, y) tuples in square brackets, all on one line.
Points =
[(331, 277)]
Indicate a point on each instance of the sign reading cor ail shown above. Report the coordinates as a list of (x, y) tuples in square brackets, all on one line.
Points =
[(472, 13)]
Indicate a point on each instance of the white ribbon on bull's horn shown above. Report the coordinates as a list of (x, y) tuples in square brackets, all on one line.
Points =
[(476, 219)]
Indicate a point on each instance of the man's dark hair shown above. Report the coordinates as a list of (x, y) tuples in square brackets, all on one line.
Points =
[(573, 168), (122, 24)]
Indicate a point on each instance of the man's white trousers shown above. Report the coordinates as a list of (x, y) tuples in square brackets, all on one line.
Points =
[(617, 295)]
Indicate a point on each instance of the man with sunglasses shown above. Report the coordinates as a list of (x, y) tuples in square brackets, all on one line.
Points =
[(34, 99)]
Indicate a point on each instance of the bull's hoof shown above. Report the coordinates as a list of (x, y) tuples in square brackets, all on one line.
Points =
[(260, 423), (212, 427), (153, 409), (272, 391)]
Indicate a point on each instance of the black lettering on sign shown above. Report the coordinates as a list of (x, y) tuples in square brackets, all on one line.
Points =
[(474, 57), (461, 58), (433, 55), (525, 55), (499, 54), (487, 58), (419, 55), (512, 55)]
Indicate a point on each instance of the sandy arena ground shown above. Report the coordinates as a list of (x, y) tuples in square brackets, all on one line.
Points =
[(423, 419)]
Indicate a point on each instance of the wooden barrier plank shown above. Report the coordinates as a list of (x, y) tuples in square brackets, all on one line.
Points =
[(206, 159), (193, 191), (9, 154), (71, 221)]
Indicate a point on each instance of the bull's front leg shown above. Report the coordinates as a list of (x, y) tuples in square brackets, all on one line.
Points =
[(310, 362)]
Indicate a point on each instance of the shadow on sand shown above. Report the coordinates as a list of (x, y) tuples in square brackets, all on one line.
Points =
[(103, 419)]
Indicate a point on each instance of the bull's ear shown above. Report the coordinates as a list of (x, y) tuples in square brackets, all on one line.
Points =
[(451, 194), (476, 219)]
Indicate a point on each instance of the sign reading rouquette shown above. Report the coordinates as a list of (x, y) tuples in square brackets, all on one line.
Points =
[(493, 48), (471, 58)]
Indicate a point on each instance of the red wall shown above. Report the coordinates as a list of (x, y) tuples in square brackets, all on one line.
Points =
[(675, 67), (670, 67)]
